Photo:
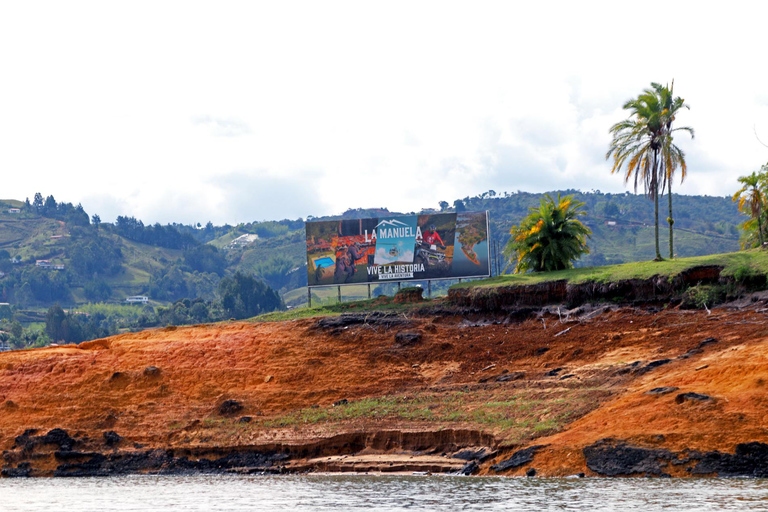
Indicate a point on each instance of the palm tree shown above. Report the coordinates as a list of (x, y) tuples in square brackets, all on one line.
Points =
[(672, 156), (636, 144), (751, 197), (644, 143), (550, 237)]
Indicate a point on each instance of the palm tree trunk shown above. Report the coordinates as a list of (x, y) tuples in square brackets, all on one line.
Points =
[(670, 220), (655, 191), (759, 226)]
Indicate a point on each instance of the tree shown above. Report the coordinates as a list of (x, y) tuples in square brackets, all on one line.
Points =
[(751, 199), (672, 157), (643, 145), (443, 205), (244, 296), (37, 203), (550, 237), (95, 220)]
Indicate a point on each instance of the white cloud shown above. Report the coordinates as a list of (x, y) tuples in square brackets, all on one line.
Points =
[(242, 111)]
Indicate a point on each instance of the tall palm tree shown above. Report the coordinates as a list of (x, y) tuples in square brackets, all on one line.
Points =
[(636, 145), (644, 143), (672, 156), (751, 197)]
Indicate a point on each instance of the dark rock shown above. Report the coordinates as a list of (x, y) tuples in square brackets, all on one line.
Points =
[(245, 419), (152, 371), (569, 376), (373, 318), (57, 437), (652, 365), (21, 471), (229, 407), (609, 457), (657, 363), (480, 454), (530, 473), (580, 475), (662, 391), (552, 373), (690, 353), (405, 339), (706, 342), (469, 468), (343, 401), (111, 438), (693, 397), (540, 351), (506, 377), (749, 459), (518, 458)]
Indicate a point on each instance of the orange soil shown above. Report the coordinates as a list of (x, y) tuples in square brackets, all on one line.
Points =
[(276, 368)]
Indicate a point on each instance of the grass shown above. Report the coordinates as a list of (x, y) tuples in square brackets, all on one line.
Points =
[(755, 259), (378, 304), (521, 415)]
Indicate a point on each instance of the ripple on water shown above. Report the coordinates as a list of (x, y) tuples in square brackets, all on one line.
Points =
[(367, 493)]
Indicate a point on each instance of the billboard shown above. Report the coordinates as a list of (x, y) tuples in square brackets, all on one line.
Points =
[(397, 248)]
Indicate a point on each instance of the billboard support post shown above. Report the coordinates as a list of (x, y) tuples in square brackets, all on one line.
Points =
[(369, 291), (309, 296), (339, 288), (429, 288)]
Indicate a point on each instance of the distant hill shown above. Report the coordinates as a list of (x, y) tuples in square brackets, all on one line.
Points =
[(108, 262)]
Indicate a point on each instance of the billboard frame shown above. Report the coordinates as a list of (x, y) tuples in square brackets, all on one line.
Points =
[(408, 280)]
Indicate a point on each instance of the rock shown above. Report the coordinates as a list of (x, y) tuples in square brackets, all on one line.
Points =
[(111, 438), (693, 397), (268, 378), (57, 437), (518, 458), (552, 373), (653, 365), (569, 376), (749, 459), (480, 454), (343, 401), (692, 352), (540, 351), (228, 407), (707, 341), (662, 391), (374, 318), (469, 468), (152, 371), (506, 377), (530, 473), (609, 457), (245, 419), (405, 339)]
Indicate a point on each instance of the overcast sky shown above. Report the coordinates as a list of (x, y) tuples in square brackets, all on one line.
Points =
[(240, 111)]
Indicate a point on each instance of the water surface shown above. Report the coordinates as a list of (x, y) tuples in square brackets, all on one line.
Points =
[(367, 493)]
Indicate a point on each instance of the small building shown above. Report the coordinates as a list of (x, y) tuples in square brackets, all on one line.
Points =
[(14, 210), (43, 263), (137, 299)]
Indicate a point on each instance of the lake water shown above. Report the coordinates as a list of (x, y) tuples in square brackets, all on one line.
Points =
[(368, 493)]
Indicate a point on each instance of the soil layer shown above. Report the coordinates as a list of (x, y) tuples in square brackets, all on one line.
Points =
[(593, 390)]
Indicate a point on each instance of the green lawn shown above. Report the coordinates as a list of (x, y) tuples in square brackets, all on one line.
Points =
[(754, 260)]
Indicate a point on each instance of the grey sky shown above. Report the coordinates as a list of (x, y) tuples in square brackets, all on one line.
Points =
[(241, 111)]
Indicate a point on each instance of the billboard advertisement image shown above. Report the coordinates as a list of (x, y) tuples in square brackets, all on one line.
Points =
[(397, 248)]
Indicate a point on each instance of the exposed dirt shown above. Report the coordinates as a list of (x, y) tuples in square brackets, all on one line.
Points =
[(368, 385)]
